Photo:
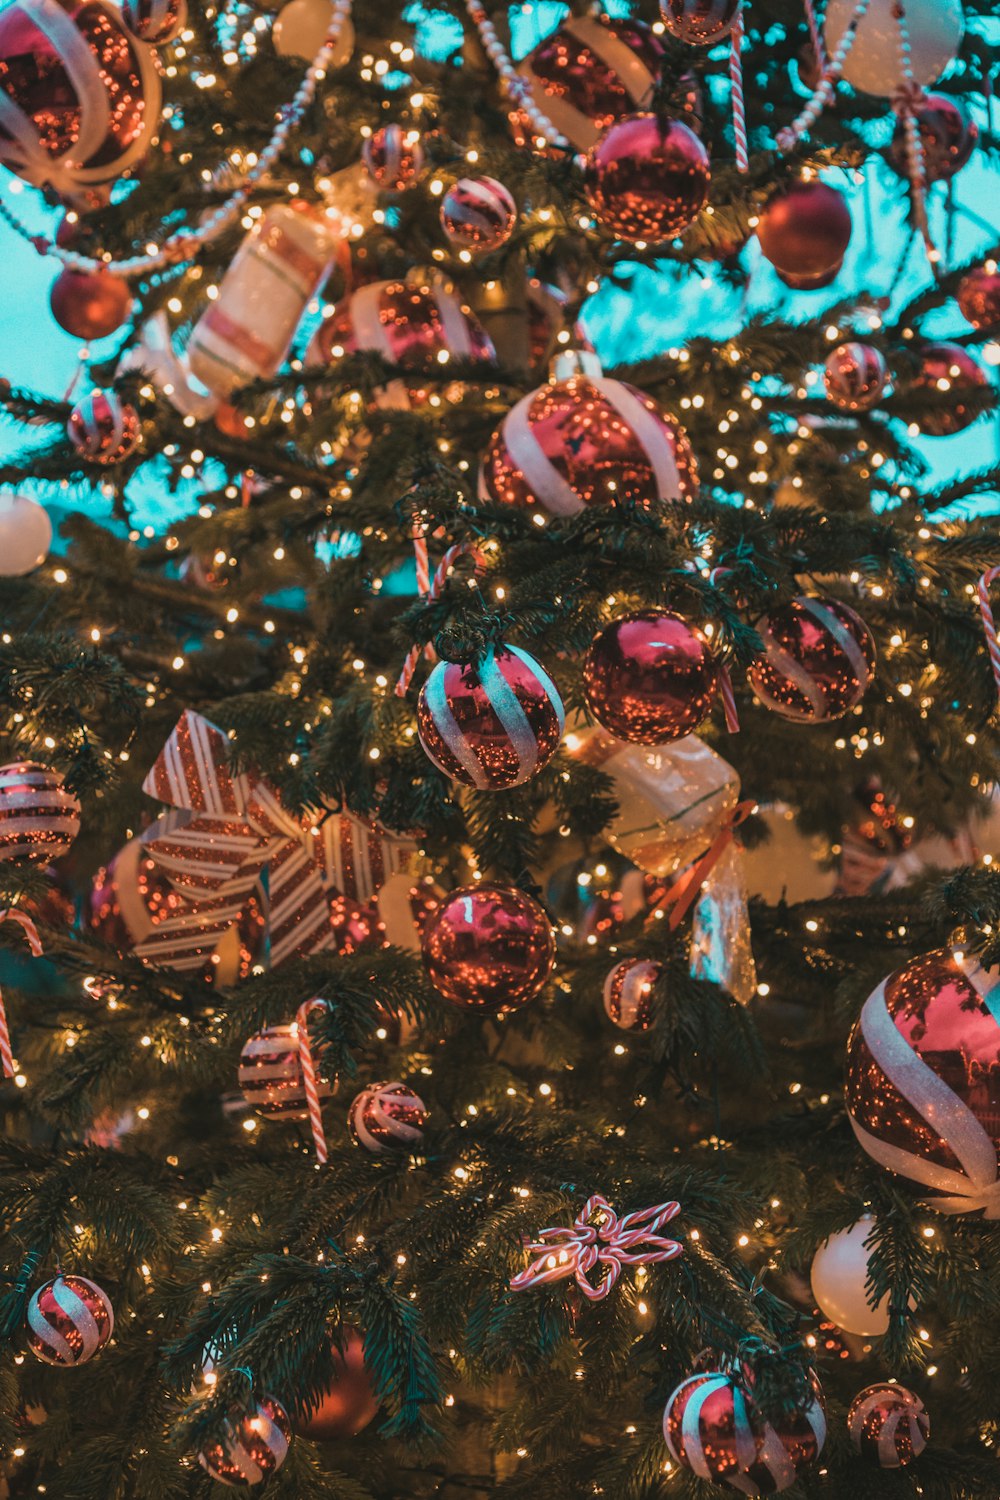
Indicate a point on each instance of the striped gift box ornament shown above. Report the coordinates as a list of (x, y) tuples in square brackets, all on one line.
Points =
[(69, 1321), (39, 818)]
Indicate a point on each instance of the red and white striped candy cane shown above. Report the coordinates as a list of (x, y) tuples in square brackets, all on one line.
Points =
[(308, 1067), (736, 88), (35, 944), (989, 624), (460, 549), (815, 35)]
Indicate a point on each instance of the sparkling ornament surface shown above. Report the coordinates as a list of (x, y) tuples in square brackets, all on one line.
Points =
[(89, 304), (301, 27), (838, 1275), (708, 1427), (69, 1321), (788, 1445), (155, 21), (103, 429), (39, 818), (650, 677), (946, 134), (478, 213), (923, 1081), (979, 297), (628, 993), (492, 724), (25, 535), (587, 441), (819, 657), (592, 71), (647, 178), (270, 1074), (888, 1425), (488, 947), (253, 1446), (700, 22), (349, 1403), (873, 64), (804, 230), (854, 377), (950, 369), (409, 325), (388, 1117), (393, 157)]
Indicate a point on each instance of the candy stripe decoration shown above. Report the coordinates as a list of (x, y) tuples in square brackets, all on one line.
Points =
[(889, 1425), (39, 818), (819, 659), (103, 428), (155, 21), (393, 157), (69, 1321), (388, 1117), (707, 1427), (478, 213), (628, 993), (599, 1240), (408, 325), (854, 376), (590, 72), (271, 1076), (437, 583), (254, 1444), (699, 22), (313, 1086), (491, 725), (785, 1450)]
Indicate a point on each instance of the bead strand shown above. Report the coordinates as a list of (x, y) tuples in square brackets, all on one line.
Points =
[(510, 80), (788, 137), (916, 164)]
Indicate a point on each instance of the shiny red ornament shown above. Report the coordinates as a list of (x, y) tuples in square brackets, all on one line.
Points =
[(69, 1321), (804, 231), (349, 1403), (819, 658), (103, 428), (39, 818), (650, 677), (253, 1445), (488, 947), (950, 369), (270, 1074), (393, 157), (709, 1427), (788, 1444), (700, 22), (979, 297), (947, 135), (155, 21), (647, 178), (923, 1082), (888, 1425), (90, 304), (583, 441), (628, 993), (589, 73), (854, 376), (491, 724), (478, 213), (388, 1117)]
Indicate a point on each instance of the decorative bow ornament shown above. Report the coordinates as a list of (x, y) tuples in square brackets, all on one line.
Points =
[(609, 1243), (221, 832)]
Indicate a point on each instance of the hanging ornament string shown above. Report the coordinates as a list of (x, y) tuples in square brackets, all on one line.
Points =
[(184, 243), (309, 1084), (793, 133), (736, 86), (35, 944), (905, 103), (989, 623), (610, 1243), (461, 549), (511, 81)]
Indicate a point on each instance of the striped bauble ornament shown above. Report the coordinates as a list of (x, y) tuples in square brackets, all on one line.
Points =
[(69, 1321), (270, 1074), (491, 724), (393, 157), (103, 428), (628, 993), (155, 21), (708, 1427), (590, 72), (854, 376), (787, 1446), (888, 1425), (818, 660), (700, 22), (478, 213), (252, 1445), (388, 1117), (39, 818)]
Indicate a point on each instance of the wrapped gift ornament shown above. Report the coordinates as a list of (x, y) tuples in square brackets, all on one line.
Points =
[(592, 71), (721, 950)]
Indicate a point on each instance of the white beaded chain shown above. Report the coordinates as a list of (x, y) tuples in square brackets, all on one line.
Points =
[(183, 243), (793, 133), (905, 102), (511, 81)]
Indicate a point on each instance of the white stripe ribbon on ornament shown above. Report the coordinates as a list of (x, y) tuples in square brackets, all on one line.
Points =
[(366, 318), (843, 637), (743, 1438), (78, 1313), (504, 703), (453, 321), (400, 1130), (649, 430), (577, 127)]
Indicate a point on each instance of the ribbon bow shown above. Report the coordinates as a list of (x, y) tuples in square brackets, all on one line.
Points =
[(35, 944), (221, 832), (611, 1242), (684, 891)]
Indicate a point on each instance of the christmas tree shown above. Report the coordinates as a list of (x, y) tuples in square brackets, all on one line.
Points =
[(460, 803)]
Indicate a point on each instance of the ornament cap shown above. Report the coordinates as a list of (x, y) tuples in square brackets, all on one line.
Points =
[(570, 362)]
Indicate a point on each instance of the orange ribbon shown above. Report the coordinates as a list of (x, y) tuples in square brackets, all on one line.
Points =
[(682, 894)]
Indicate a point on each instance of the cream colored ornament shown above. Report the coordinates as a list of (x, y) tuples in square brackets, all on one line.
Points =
[(874, 63), (300, 31), (838, 1276), (25, 535)]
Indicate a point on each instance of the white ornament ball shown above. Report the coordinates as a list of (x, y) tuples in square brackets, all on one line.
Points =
[(300, 31), (838, 1276), (874, 64), (25, 535)]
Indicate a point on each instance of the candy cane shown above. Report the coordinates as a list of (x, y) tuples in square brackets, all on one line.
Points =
[(309, 1076), (35, 944), (989, 624), (460, 549), (736, 82), (787, 138)]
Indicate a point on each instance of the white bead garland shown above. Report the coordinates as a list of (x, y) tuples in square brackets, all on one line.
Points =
[(788, 137), (510, 80)]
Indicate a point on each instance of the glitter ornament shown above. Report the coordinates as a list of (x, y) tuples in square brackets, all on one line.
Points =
[(587, 440), (628, 993), (818, 661), (649, 677), (492, 724), (103, 428), (888, 1425), (69, 1321), (393, 157), (155, 21), (349, 1403), (25, 535), (388, 1117), (854, 376), (39, 818), (979, 296), (838, 1275), (79, 96), (708, 1427), (590, 72), (946, 134), (270, 1074), (478, 213), (922, 1090), (89, 304), (647, 178), (301, 29), (699, 22), (950, 369), (488, 947), (804, 231), (253, 1445), (874, 63)]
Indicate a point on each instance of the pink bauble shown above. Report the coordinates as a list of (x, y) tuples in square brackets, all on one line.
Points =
[(69, 1321), (388, 1117), (854, 376), (819, 658), (488, 947), (628, 993), (39, 818), (979, 297), (788, 1445), (253, 1445), (409, 325), (478, 213), (708, 1427), (647, 178), (700, 22), (393, 157), (650, 677), (804, 231), (950, 369), (948, 138), (888, 1425), (590, 72), (349, 1403), (103, 428)]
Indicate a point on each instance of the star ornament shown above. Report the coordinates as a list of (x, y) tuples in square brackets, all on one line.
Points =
[(598, 1241)]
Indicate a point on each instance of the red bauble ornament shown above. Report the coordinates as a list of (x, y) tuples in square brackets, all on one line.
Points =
[(819, 657), (90, 304), (708, 1427), (854, 376), (979, 297), (349, 1403), (888, 1425), (649, 677), (393, 157), (253, 1445), (587, 441), (270, 1074), (39, 818), (478, 213), (409, 325), (923, 1085), (804, 231), (488, 947), (69, 1321), (388, 1117), (155, 21), (589, 73), (628, 993), (700, 22), (787, 1446), (947, 136), (103, 428), (492, 724), (950, 369), (647, 178)]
